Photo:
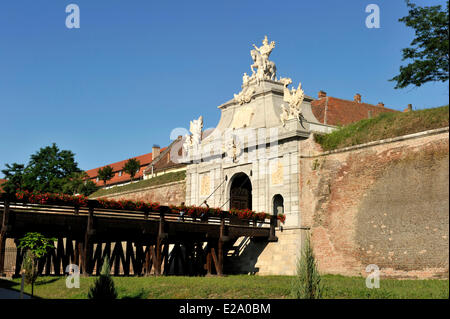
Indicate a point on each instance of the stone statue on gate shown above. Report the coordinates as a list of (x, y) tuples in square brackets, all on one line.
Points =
[(194, 140), (294, 98), (266, 69)]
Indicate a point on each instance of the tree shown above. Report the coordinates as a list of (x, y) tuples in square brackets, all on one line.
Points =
[(105, 173), (429, 50), (131, 167), (14, 174), (88, 188), (307, 283), (37, 247), (104, 285), (47, 171), (79, 183)]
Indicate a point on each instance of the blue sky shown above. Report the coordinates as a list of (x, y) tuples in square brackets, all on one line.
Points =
[(137, 69)]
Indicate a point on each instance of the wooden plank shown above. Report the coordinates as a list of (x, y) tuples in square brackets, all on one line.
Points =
[(3, 236), (129, 258), (68, 254), (216, 262), (220, 248), (97, 261), (118, 257), (87, 251), (147, 261), (158, 259), (137, 266), (153, 259), (59, 257), (166, 258)]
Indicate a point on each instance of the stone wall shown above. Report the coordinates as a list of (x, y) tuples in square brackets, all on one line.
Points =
[(385, 203), (263, 258), (166, 194)]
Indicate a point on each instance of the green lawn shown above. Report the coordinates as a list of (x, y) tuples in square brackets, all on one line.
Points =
[(385, 125), (239, 286), (158, 180)]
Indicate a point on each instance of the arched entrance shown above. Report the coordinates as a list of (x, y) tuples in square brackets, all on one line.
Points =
[(278, 204), (241, 192)]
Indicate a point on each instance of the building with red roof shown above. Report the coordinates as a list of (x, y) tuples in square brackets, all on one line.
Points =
[(120, 177), (337, 112)]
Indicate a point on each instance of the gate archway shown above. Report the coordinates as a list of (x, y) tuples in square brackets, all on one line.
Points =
[(240, 191)]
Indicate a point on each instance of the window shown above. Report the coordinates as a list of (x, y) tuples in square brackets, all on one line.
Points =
[(120, 173)]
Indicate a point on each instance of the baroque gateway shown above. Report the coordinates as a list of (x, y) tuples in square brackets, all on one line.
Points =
[(262, 156)]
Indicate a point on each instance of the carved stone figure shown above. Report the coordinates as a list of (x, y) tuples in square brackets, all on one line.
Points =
[(232, 148), (245, 95), (284, 114), (294, 98), (194, 139), (265, 49), (245, 79), (266, 69)]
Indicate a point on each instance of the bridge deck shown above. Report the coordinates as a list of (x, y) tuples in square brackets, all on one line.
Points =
[(92, 225)]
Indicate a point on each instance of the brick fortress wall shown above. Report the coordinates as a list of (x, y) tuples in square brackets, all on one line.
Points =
[(385, 204)]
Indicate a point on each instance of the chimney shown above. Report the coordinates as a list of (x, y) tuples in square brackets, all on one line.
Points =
[(155, 151), (409, 109), (357, 98), (381, 104), (322, 94)]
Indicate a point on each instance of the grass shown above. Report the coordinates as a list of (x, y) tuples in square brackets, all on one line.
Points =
[(236, 287), (385, 125), (158, 180)]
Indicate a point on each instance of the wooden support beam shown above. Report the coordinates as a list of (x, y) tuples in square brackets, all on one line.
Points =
[(68, 254), (159, 241), (129, 258), (216, 262), (158, 260), (273, 224), (220, 247), (59, 257), (153, 259), (148, 260), (3, 236), (166, 258), (97, 259), (208, 262), (87, 249), (139, 257), (78, 256)]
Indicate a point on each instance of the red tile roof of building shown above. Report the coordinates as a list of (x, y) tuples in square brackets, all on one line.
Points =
[(117, 167), (164, 160), (334, 111)]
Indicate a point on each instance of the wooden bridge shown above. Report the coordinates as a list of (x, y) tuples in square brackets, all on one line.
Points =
[(144, 242)]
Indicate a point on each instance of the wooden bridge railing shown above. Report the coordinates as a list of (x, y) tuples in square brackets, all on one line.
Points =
[(163, 216)]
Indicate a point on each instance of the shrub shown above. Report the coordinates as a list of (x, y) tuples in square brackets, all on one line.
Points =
[(29, 268), (104, 285), (307, 283)]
